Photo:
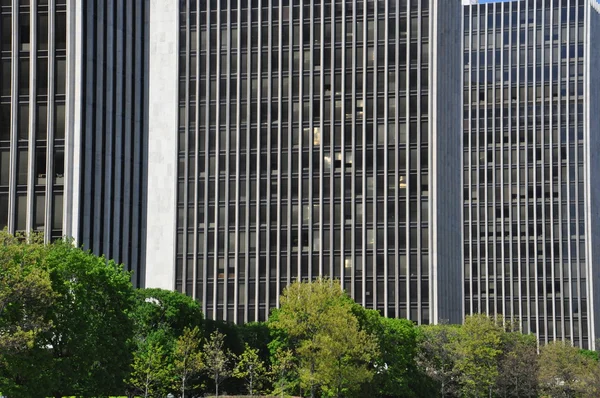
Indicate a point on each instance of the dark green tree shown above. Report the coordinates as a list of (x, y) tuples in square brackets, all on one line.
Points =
[(85, 351), (518, 366), (437, 356), (25, 292)]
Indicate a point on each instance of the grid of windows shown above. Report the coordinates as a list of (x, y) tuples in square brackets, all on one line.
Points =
[(525, 165), (32, 115), (100, 81), (304, 150)]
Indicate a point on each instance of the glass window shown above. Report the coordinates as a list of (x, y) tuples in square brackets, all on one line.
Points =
[(23, 121), (24, 37), (22, 167), (4, 167), (60, 34), (24, 77), (4, 122), (57, 214), (5, 87), (40, 212), (3, 210), (42, 41), (21, 211), (59, 132), (60, 76)]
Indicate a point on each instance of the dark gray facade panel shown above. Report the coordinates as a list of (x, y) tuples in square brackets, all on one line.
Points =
[(593, 171), (446, 133), (114, 133)]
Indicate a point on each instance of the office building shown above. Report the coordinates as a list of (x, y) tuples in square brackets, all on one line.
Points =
[(296, 139), (73, 123), (531, 164)]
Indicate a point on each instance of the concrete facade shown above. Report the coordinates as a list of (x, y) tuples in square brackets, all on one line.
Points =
[(162, 148)]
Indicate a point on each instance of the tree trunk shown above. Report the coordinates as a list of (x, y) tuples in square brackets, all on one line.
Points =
[(183, 387), (216, 386)]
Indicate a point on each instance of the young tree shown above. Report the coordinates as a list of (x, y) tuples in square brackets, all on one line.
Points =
[(283, 369), (250, 368), (187, 361), (151, 370), (333, 352), (217, 359)]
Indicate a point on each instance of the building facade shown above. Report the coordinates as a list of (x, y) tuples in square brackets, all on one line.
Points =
[(531, 147), (296, 139), (73, 123)]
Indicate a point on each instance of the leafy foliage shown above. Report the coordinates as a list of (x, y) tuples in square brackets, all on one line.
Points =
[(333, 352), (217, 359), (188, 361), (151, 369), (251, 369), (565, 372), (84, 350), (25, 292)]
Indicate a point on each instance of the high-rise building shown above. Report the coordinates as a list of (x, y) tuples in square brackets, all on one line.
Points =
[(531, 164), (295, 139), (73, 122)]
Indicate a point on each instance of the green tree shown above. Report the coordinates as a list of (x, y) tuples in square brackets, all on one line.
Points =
[(151, 368), (345, 355), (564, 371), (217, 359), (167, 310), (397, 372), (85, 350), (333, 352), (250, 368), (283, 370), (518, 366), (437, 356), (25, 292), (478, 354), (188, 362)]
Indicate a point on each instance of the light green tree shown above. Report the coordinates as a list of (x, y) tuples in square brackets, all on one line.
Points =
[(151, 368), (187, 358), (478, 354), (565, 372), (345, 355), (250, 368), (217, 359), (333, 352), (283, 370)]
